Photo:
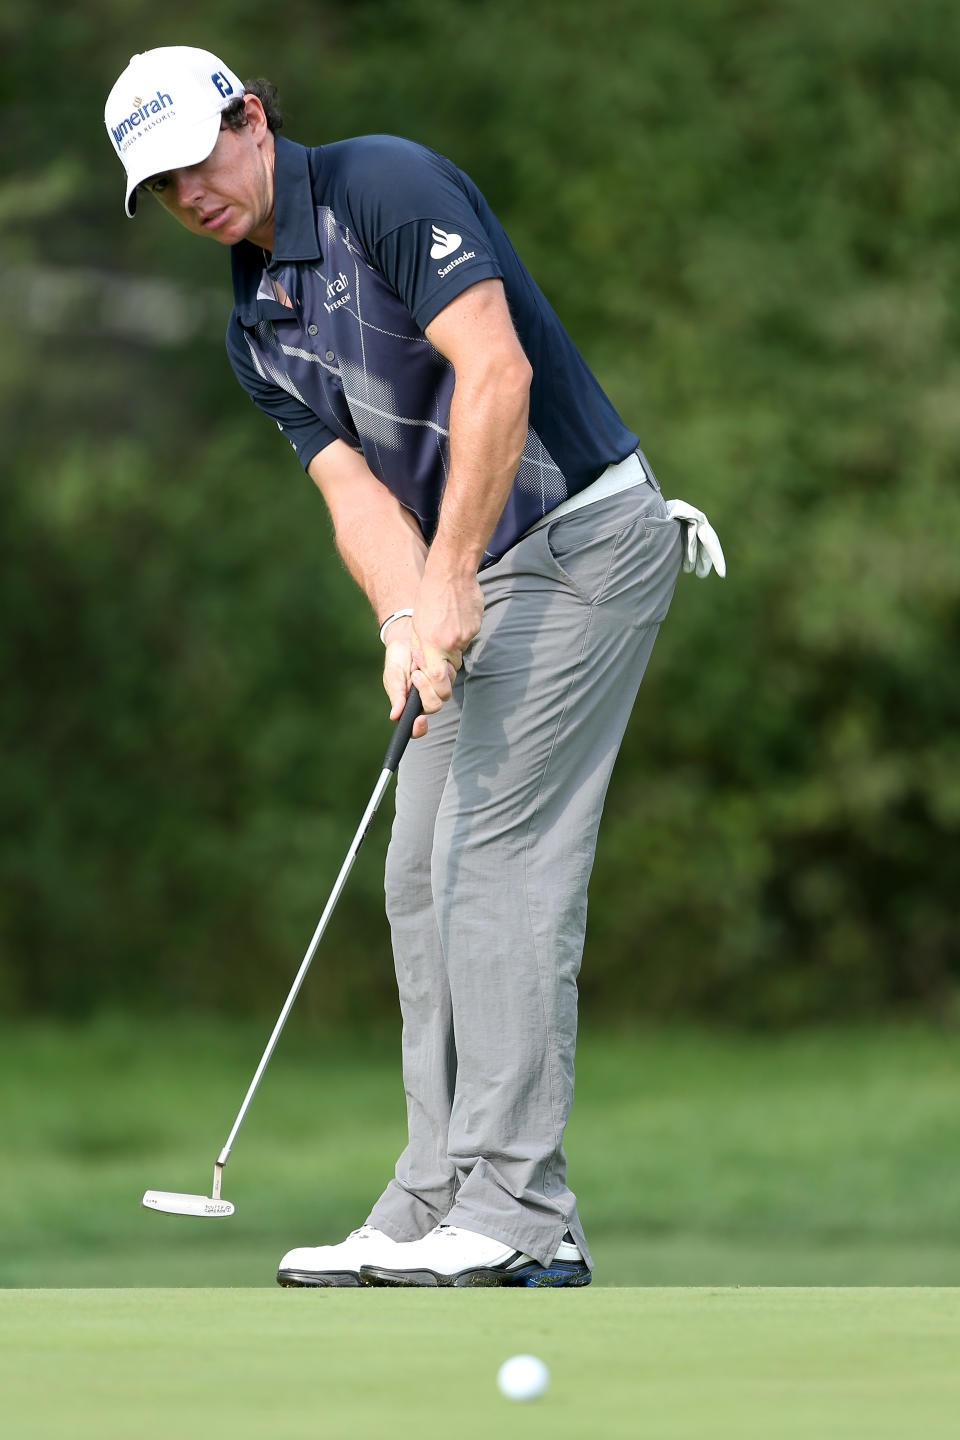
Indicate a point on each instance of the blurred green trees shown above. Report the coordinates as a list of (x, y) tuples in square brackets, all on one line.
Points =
[(747, 213)]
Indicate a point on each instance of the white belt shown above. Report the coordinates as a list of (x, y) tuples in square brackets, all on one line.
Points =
[(701, 545), (620, 476)]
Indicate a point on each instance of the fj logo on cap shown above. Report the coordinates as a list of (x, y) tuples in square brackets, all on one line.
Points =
[(222, 83)]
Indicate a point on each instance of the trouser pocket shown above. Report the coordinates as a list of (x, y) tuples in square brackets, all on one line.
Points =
[(622, 552)]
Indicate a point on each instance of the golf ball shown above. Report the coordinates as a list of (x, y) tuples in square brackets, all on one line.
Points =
[(523, 1377)]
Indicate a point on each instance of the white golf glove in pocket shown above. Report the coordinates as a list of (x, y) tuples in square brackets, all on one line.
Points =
[(701, 543)]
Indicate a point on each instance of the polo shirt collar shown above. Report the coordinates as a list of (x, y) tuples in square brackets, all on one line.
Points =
[(294, 230)]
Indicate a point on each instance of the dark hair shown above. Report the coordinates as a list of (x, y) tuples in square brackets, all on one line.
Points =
[(234, 116)]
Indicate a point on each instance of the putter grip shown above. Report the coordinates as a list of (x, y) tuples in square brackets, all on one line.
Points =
[(402, 729)]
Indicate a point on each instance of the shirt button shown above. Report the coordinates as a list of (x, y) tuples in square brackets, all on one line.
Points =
[(330, 355), (311, 329)]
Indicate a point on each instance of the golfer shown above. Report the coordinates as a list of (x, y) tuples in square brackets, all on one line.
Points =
[(519, 559)]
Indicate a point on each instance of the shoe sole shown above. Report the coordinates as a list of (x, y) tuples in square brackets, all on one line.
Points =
[(528, 1277), (319, 1279), (553, 1276)]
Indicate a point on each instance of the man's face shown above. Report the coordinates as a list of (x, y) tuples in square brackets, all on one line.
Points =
[(228, 196)]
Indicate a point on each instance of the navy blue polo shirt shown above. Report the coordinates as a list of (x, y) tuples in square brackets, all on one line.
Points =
[(372, 238)]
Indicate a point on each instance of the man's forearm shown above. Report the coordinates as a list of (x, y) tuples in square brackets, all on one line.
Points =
[(379, 541), (384, 552), (488, 430)]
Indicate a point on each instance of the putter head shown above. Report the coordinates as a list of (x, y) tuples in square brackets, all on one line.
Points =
[(172, 1203)]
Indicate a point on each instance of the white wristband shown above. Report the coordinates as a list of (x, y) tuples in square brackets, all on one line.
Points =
[(397, 615)]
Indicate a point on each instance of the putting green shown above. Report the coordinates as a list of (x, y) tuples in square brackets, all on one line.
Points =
[(666, 1363)]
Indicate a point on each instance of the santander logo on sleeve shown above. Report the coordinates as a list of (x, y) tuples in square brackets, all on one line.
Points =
[(444, 244)]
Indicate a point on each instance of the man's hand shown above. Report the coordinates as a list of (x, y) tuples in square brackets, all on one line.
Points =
[(447, 614), (397, 667)]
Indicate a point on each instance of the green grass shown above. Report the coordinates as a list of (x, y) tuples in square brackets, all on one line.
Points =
[(812, 1160), (671, 1364)]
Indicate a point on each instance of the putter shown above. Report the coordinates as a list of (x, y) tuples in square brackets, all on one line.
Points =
[(212, 1205)]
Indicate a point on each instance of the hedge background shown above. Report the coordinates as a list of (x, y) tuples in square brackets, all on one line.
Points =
[(746, 211)]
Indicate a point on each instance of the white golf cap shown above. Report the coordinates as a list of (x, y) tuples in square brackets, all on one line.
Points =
[(164, 111)]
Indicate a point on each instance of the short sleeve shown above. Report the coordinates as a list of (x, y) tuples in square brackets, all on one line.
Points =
[(304, 430), (430, 262), (415, 216)]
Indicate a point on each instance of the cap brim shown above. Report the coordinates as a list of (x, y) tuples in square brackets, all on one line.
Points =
[(156, 155)]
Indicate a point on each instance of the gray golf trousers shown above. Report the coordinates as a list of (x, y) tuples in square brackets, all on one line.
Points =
[(497, 810)]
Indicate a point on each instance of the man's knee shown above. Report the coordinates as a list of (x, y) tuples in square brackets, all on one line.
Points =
[(407, 875)]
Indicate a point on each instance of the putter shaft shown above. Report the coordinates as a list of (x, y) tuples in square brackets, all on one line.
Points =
[(398, 744)]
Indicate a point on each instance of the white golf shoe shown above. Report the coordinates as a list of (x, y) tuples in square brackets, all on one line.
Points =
[(337, 1264), (450, 1256)]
